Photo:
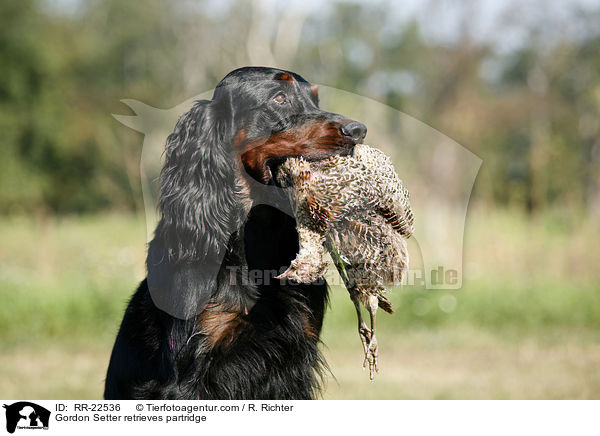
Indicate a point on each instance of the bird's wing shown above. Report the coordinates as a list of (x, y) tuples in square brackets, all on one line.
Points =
[(397, 211), (391, 200)]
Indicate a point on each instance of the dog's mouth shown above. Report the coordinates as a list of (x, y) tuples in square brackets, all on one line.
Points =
[(262, 156)]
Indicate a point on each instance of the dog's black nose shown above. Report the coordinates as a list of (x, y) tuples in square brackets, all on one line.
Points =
[(354, 130)]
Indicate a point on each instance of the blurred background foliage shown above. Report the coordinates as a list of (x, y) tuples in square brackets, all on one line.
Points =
[(528, 108), (517, 83)]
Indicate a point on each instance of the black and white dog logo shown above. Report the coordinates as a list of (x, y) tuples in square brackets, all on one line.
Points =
[(26, 415)]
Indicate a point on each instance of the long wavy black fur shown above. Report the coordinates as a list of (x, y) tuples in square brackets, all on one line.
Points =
[(201, 205)]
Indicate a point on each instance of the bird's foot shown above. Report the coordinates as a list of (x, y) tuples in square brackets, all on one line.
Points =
[(371, 357)]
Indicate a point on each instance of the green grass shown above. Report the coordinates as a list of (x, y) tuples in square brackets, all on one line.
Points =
[(525, 325), (67, 277)]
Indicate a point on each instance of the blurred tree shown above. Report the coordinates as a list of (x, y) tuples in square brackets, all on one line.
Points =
[(531, 111)]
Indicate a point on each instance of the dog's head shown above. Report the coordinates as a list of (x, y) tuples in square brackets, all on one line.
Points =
[(275, 114)]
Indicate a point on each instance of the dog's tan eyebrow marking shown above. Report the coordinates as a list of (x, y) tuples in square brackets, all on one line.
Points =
[(285, 76), (315, 90)]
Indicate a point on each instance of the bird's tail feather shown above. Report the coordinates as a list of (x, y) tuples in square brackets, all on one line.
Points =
[(385, 304)]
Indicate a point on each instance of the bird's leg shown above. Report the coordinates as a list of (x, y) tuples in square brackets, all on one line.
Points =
[(371, 353), (363, 331)]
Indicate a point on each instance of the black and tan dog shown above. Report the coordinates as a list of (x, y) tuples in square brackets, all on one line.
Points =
[(196, 328)]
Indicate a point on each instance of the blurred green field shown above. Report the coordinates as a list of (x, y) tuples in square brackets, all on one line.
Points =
[(525, 325)]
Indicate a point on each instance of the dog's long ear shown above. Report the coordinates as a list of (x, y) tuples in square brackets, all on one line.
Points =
[(201, 205)]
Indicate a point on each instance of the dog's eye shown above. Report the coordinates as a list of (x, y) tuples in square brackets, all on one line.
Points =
[(280, 99)]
